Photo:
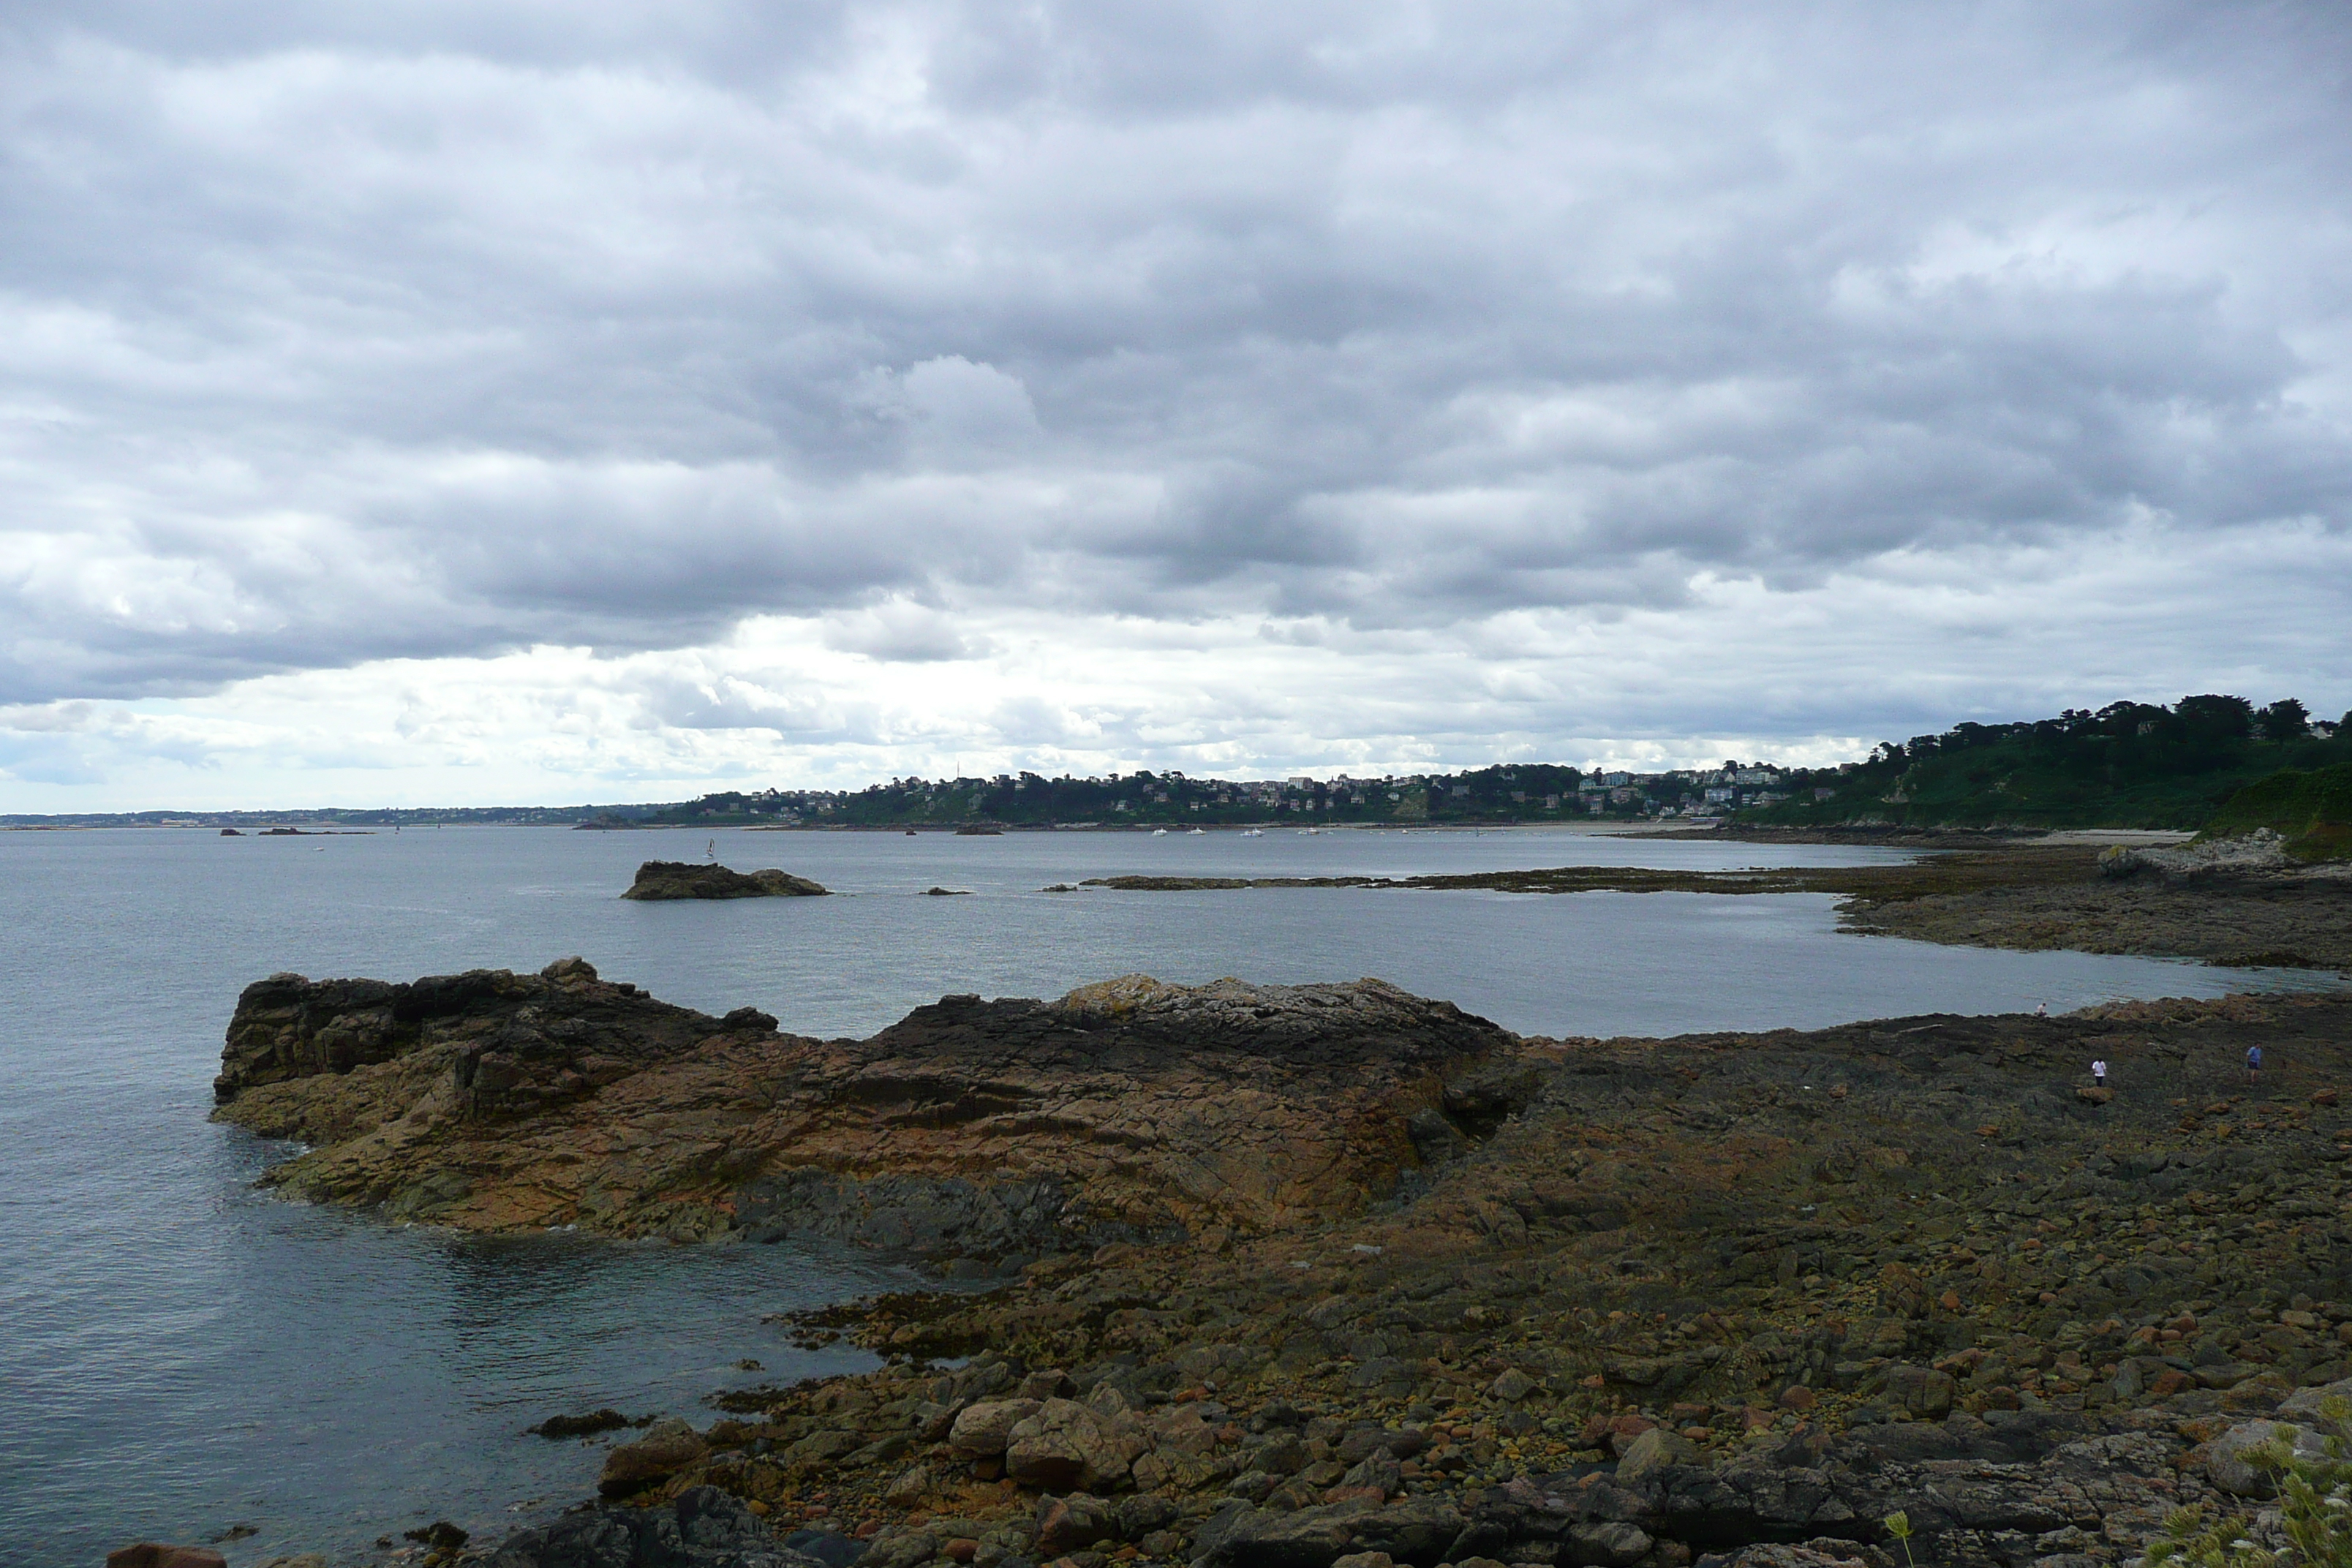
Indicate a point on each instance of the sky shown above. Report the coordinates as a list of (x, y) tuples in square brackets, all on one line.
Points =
[(503, 401)]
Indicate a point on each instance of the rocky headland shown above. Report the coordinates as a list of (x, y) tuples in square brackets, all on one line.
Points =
[(1289, 1277), (1127, 1110), (660, 879)]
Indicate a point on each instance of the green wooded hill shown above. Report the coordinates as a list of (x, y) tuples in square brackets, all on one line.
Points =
[(2129, 765), (2312, 811)]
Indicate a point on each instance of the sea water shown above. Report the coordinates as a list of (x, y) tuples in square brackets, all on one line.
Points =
[(182, 1357)]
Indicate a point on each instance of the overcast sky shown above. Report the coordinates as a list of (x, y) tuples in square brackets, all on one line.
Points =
[(459, 401)]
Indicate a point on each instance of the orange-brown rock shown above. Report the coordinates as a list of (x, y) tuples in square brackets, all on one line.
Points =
[(154, 1554), (1126, 1110)]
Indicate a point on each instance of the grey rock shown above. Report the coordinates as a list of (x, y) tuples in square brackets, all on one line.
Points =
[(981, 1431), (1653, 1451), (705, 1528), (1612, 1545), (2230, 1459)]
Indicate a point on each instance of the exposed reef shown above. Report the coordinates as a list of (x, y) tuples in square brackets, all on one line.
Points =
[(1690, 1303), (2245, 904), (659, 879)]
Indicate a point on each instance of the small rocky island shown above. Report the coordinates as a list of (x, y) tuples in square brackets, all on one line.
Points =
[(659, 879), (1337, 1277)]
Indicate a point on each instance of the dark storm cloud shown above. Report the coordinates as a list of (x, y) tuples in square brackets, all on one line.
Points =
[(333, 334)]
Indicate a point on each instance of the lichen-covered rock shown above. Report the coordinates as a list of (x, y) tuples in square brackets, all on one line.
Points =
[(1067, 1444), (983, 1428)]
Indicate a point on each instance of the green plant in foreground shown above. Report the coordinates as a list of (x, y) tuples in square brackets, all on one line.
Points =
[(2315, 1498), (1898, 1525)]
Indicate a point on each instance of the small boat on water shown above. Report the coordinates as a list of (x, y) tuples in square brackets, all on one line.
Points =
[(1253, 832), (1159, 832), (1198, 833)]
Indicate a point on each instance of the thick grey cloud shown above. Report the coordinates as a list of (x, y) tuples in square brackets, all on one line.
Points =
[(332, 334)]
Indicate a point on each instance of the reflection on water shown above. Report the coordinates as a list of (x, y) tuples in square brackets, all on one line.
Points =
[(179, 1353)]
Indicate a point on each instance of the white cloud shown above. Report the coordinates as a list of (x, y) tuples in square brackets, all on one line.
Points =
[(1241, 384)]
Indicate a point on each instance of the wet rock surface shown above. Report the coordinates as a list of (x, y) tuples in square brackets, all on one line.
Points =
[(1729, 1300)]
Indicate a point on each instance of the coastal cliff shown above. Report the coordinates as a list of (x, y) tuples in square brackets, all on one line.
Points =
[(1126, 1110)]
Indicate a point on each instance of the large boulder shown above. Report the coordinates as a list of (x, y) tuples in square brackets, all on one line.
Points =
[(667, 1447), (2238, 1460), (1653, 1450), (1921, 1389), (1410, 1529), (983, 1429), (1064, 1444)]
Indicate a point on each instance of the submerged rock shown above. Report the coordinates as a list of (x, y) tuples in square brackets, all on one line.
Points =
[(155, 1554)]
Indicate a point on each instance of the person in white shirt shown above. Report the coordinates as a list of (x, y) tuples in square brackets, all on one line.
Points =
[(2099, 1074)]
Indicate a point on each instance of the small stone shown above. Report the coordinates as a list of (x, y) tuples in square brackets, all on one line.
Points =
[(1512, 1386)]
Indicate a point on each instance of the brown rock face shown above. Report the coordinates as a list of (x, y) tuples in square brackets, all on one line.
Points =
[(153, 1554), (669, 1448), (1128, 1111), (661, 880)]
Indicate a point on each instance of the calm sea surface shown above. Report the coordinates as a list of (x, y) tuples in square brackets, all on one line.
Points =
[(179, 1355)]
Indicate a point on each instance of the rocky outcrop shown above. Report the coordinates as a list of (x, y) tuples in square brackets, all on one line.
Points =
[(659, 880), (1128, 1110), (2257, 852)]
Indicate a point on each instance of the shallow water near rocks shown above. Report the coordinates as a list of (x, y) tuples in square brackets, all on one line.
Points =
[(180, 1355)]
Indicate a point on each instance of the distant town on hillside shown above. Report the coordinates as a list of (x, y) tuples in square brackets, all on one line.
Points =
[(2127, 764)]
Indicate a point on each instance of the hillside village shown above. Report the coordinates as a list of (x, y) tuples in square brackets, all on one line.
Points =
[(1500, 794)]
